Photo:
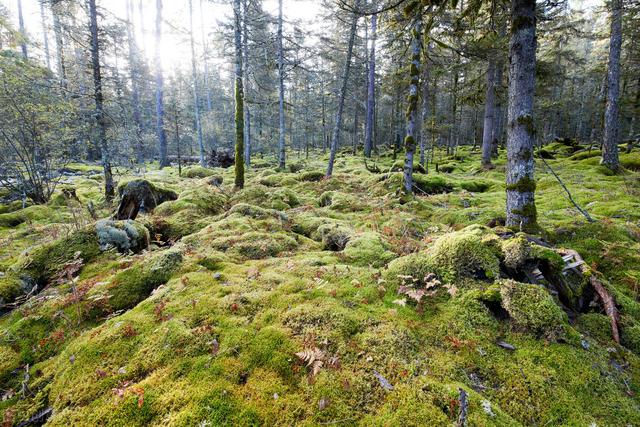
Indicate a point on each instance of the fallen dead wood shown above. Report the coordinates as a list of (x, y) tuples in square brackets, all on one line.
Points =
[(576, 263)]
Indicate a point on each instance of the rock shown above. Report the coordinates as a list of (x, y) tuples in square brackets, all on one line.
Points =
[(506, 345), (139, 195)]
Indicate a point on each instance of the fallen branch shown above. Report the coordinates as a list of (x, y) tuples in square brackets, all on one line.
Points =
[(582, 211), (464, 406)]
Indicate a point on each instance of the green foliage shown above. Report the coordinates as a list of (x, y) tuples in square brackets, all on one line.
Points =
[(368, 249), (197, 172)]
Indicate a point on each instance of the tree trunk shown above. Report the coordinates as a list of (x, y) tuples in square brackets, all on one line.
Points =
[(412, 109), (134, 67), (205, 55), (45, 36), (489, 114), (162, 136), (371, 91), (335, 138), (424, 113), (57, 30), (247, 113), (498, 116), (239, 95), (196, 93), (23, 33), (521, 208), (281, 146), (611, 122), (99, 101)]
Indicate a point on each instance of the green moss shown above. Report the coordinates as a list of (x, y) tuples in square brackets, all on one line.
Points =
[(475, 186), (463, 254), (28, 214), (516, 252), (524, 185), (334, 237), (311, 176), (197, 172), (255, 212), (134, 284), (255, 245), (596, 325), (586, 154), (368, 249), (432, 184), (630, 337), (409, 267), (533, 309)]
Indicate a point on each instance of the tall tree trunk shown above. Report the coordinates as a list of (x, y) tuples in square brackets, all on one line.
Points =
[(281, 146), (134, 67), (521, 208), (205, 59), (196, 93), (23, 33), (45, 35), (611, 121), (414, 96), (371, 91), (239, 101), (99, 101), (498, 116), (335, 139), (424, 113), (57, 31), (162, 136), (245, 85), (489, 114)]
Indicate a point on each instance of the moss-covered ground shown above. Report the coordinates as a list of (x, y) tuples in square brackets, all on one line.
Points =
[(308, 301)]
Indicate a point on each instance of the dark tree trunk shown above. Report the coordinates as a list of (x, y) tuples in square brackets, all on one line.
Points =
[(162, 135), (611, 121), (413, 99), (371, 91), (521, 208), (101, 121), (239, 94)]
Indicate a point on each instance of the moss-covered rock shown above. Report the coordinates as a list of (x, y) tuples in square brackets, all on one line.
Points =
[(464, 254), (311, 176), (197, 172), (334, 237), (140, 194), (532, 309), (255, 245), (516, 252), (134, 284), (125, 236), (368, 249), (413, 268), (202, 198)]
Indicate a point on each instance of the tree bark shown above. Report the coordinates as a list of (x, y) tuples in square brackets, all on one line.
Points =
[(521, 208), (498, 116), (196, 93), (412, 109), (371, 91), (239, 98), (162, 136), (425, 113), (335, 138), (99, 101), (611, 121), (57, 30), (281, 146)]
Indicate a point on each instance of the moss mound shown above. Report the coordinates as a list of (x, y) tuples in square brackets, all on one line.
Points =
[(125, 236), (334, 236), (368, 249), (197, 172)]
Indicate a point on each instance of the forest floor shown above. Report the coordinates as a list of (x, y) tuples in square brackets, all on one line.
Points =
[(305, 301)]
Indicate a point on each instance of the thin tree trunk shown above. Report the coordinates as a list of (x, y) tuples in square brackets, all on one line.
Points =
[(196, 93), (414, 96), (611, 121), (335, 139), (424, 113), (135, 90), (498, 116), (205, 59), (371, 91), (23, 33), (247, 113), (57, 30), (99, 101), (162, 136), (239, 101), (489, 113), (281, 146), (521, 208), (45, 36)]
